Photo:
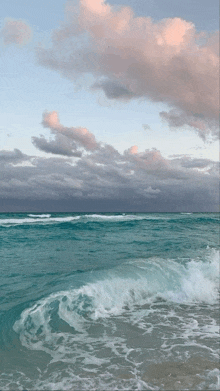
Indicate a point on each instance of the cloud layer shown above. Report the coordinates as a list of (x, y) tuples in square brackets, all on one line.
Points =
[(15, 32), (103, 179), (132, 57)]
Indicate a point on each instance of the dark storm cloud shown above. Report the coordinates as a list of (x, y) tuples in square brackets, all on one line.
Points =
[(104, 179), (101, 176)]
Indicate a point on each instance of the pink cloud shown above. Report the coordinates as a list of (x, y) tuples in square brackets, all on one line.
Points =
[(133, 150), (81, 136), (132, 57), (16, 31), (51, 120)]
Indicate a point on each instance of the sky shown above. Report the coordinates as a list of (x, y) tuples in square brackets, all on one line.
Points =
[(109, 106)]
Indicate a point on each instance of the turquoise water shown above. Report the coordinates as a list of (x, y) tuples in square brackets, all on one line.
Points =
[(109, 301)]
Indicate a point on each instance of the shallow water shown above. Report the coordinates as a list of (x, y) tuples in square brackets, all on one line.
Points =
[(109, 301)]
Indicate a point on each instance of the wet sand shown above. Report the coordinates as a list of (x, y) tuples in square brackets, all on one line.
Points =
[(179, 375)]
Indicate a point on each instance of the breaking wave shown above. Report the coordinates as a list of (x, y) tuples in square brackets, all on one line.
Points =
[(40, 220), (196, 282), (42, 215), (85, 218)]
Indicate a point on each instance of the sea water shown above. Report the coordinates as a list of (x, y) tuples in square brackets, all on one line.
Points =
[(109, 301)]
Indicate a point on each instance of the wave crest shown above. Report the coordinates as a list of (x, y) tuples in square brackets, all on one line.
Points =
[(146, 281)]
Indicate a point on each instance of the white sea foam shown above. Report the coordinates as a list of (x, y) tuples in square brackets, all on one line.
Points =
[(132, 381), (69, 381), (46, 220), (113, 217), (197, 282), (41, 215), (123, 217), (109, 325)]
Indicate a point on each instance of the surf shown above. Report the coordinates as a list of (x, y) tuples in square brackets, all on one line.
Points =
[(146, 282)]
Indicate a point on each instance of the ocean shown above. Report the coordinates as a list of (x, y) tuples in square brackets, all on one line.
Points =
[(109, 301)]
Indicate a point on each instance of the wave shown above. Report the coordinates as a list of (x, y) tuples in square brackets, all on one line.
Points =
[(41, 216), (120, 293), (122, 217), (85, 218), (47, 220)]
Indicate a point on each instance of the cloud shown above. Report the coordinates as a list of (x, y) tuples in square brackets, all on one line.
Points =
[(113, 90), (60, 146), (104, 179), (133, 150), (146, 127), (15, 32), (180, 119), (152, 191), (188, 162), (67, 140), (133, 57), (14, 157)]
